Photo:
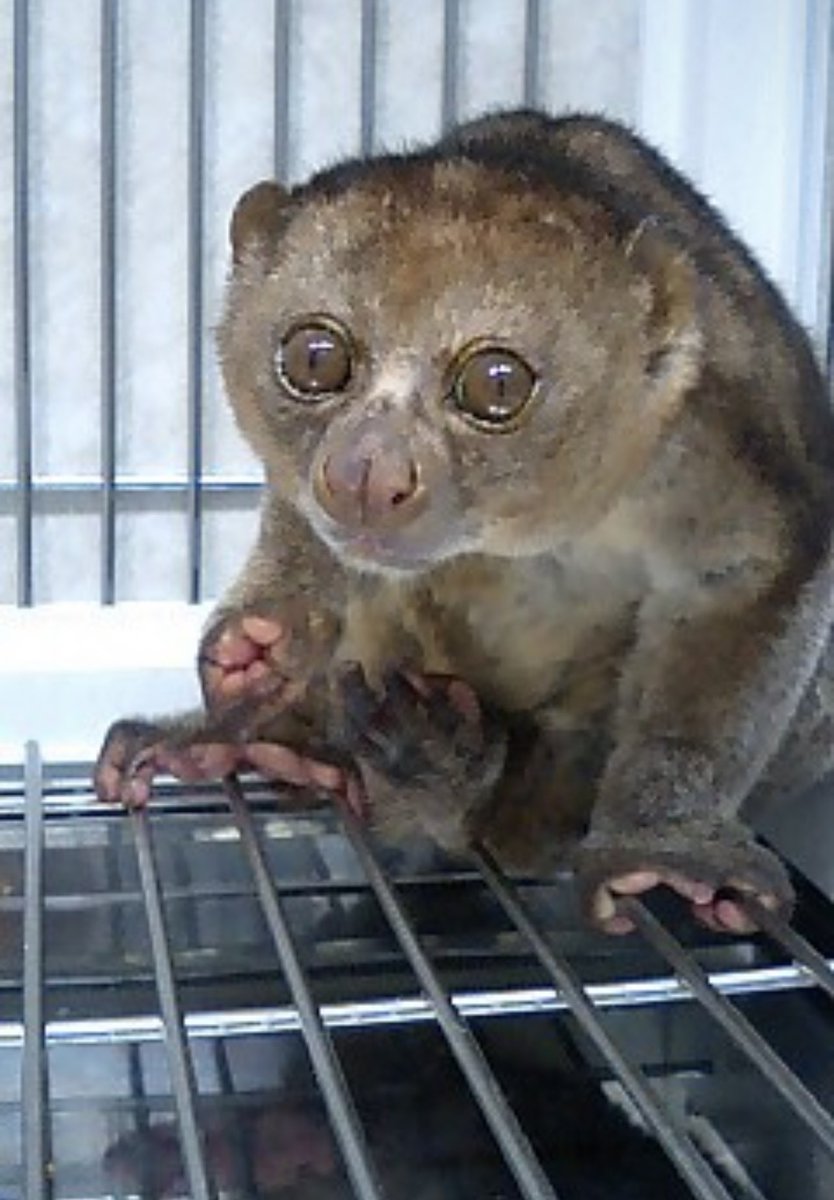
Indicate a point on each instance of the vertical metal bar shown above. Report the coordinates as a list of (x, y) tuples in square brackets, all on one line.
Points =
[(241, 1150), (450, 101), (697, 1173), (139, 1096), (518, 1153), (827, 273), (368, 85), (35, 1087), (180, 1064), (22, 302), (343, 1116), (283, 81), (108, 118), (196, 299), (739, 1029), (532, 54)]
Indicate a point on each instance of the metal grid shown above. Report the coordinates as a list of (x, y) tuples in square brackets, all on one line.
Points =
[(108, 494), (109, 491), (537, 967)]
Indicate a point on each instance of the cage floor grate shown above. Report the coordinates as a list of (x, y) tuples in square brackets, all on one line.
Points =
[(185, 989)]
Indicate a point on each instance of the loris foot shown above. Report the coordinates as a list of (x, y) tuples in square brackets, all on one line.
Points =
[(428, 754), (711, 871)]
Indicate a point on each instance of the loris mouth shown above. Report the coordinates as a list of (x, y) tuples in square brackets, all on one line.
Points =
[(371, 552)]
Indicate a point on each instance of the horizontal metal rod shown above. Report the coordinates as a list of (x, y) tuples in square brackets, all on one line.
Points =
[(680, 1148), (487, 1004), (780, 931), (180, 1064), (34, 1087), (517, 1151), (84, 485), (326, 1065), (735, 1024)]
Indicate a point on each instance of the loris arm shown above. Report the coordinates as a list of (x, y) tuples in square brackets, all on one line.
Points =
[(270, 635), (295, 588), (710, 688)]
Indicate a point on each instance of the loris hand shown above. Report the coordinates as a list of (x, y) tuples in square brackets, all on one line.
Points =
[(253, 671), (257, 656)]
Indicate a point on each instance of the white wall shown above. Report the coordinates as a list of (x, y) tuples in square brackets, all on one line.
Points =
[(737, 93)]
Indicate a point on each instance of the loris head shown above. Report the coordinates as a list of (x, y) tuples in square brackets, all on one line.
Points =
[(435, 355)]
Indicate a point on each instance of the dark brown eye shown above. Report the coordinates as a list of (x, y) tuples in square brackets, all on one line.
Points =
[(492, 386), (315, 358)]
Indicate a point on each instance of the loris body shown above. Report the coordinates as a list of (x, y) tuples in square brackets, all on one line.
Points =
[(549, 459)]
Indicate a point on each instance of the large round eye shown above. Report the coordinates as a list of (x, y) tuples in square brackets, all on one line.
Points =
[(492, 385), (315, 358)]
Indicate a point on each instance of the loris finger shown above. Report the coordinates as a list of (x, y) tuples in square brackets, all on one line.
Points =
[(281, 764), (460, 695), (198, 764)]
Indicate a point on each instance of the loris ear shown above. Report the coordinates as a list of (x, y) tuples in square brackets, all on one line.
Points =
[(259, 216), (674, 324)]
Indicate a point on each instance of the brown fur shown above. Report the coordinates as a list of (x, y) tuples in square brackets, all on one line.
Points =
[(635, 575)]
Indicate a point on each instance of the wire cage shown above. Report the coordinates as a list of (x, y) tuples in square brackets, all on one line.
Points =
[(218, 996)]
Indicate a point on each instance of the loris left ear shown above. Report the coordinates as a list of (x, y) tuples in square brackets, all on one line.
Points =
[(258, 219), (674, 325)]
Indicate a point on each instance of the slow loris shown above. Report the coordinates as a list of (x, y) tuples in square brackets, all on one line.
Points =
[(545, 554)]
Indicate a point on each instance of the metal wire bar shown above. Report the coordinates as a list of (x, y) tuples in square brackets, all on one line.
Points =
[(79, 485), (518, 1153), (368, 83), (803, 952), (740, 1030), (180, 1064), (328, 1071), (282, 86), (35, 1086), (827, 283), (677, 1143), (196, 297), (487, 1004), (450, 100), (532, 56), (244, 1158), (22, 303), (139, 1104), (108, 121)]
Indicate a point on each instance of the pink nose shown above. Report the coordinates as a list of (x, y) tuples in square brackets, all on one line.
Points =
[(371, 480)]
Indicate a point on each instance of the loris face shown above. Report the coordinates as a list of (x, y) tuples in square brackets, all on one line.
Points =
[(433, 358)]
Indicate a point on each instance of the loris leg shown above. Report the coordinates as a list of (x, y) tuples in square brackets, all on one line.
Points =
[(428, 754)]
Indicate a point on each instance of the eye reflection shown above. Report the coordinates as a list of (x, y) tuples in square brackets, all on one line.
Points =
[(315, 358), (492, 385)]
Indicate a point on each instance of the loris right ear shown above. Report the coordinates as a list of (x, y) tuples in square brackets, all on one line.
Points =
[(260, 215)]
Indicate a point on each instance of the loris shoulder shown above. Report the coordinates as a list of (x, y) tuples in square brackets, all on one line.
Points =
[(546, 532)]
